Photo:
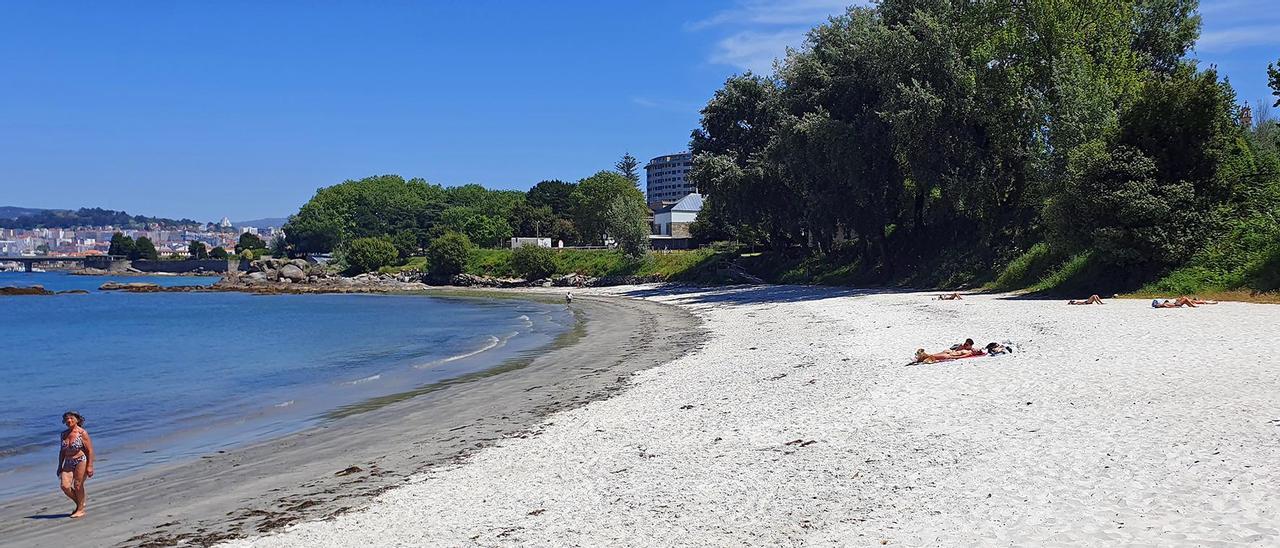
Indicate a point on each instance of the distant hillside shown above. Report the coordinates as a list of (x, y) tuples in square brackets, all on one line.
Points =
[(13, 212), (275, 222), (63, 218)]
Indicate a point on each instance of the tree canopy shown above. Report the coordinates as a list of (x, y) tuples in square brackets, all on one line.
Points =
[(1081, 124)]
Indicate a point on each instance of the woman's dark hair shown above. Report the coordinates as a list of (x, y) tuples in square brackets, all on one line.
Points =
[(992, 345), (79, 417)]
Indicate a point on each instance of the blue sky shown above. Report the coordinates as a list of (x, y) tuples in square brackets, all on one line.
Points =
[(243, 109)]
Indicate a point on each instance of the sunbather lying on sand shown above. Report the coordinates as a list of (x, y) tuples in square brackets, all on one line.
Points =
[(1093, 299), (966, 345), (945, 355), (1179, 303), (950, 297)]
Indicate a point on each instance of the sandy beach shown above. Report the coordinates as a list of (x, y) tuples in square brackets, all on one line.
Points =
[(798, 423), (348, 461)]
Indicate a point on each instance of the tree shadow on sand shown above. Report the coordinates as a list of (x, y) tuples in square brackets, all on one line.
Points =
[(754, 294)]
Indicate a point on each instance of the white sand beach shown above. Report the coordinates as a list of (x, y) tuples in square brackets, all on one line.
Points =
[(797, 423)]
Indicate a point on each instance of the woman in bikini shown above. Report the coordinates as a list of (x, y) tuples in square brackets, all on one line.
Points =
[(75, 460)]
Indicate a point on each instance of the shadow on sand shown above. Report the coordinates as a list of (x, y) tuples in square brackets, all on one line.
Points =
[(49, 516), (751, 294)]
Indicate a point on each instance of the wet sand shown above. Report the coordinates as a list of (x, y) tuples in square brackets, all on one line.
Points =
[(342, 464)]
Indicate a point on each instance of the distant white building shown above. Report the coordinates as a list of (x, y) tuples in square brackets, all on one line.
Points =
[(225, 223), (521, 242), (671, 222)]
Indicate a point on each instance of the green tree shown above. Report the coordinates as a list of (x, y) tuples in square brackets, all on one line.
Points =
[(121, 245), (528, 220), (1273, 80), (197, 250), (533, 262), (144, 249), (219, 253), (1116, 205), (627, 222), (369, 254), (249, 241), (406, 242), (279, 247), (448, 254), (557, 195), (627, 167), (592, 200)]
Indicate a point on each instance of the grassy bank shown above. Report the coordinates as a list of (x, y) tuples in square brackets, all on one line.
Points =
[(698, 265)]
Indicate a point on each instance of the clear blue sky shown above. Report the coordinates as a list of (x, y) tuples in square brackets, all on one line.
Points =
[(243, 109)]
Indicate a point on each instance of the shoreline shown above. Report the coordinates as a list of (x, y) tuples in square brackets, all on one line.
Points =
[(363, 450)]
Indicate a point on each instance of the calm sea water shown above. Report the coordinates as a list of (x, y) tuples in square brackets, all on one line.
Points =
[(169, 376)]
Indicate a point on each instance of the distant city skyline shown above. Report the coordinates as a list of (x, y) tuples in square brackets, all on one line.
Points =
[(243, 110)]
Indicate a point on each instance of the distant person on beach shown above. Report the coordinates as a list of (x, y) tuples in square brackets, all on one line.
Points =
[(568, 297), (966, 345), (1093, 299), (950, 297), (75, 460)]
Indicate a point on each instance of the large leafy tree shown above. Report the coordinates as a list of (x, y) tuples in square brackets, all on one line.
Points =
[(592, 201)]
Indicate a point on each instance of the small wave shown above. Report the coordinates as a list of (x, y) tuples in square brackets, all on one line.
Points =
[(364, 380), (284, 404), (527, 322), (493, 342)]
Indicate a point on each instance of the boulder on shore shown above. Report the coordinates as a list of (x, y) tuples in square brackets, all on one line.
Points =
[(292, 273)]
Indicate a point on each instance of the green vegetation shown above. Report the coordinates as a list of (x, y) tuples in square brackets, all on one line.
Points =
[(249, 241), (219, 253), (369, 254), (121, 245), (693, 265), (60, 218), (197, 250), (412, 214), (1055, 146), (533, 262), (144, 248), (448, 254)]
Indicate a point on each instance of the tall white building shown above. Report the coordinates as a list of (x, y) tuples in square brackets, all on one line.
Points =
[(666, 178)]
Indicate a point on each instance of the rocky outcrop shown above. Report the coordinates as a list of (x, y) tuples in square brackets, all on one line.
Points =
[(131, 286), (37, 290)]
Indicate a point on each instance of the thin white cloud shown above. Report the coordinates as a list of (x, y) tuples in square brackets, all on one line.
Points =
[(1234, 24), (1221, 41), (755, 51), (756, 32), (774, 12)]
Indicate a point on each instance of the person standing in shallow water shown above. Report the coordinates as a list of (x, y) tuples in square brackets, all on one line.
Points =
[(75, 460)]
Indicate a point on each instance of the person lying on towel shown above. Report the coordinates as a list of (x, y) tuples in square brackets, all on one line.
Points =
[(946, 355)]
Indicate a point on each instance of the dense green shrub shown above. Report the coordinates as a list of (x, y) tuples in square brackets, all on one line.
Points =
[(533, 262), (369, 254), (448, 254)]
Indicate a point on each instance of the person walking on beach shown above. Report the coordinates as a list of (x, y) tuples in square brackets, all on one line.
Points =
[(75, 460), (568, 297)]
